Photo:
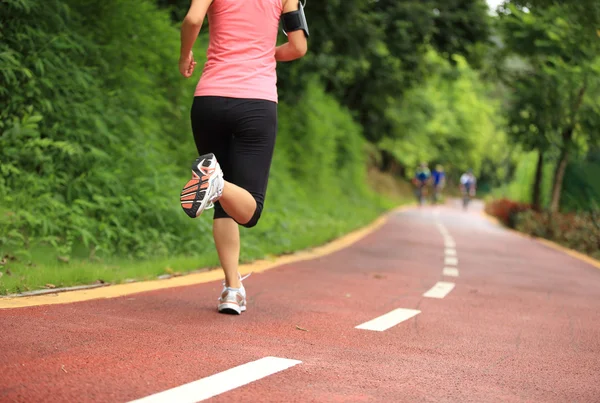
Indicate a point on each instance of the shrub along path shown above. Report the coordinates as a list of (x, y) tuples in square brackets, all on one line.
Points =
[(578, 231)]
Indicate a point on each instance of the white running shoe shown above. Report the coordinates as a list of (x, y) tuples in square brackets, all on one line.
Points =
[(233, 300), (205, 187)]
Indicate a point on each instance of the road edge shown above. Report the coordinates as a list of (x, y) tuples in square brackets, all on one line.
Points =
[(553, 245), (120, 290)]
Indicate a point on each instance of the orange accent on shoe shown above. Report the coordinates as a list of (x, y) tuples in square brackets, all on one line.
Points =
[(191, 183), (190, 197), (189, 190)]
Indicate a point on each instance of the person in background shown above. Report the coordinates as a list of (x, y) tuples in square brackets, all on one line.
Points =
[(438, 177), (468, 185), (421, 179)]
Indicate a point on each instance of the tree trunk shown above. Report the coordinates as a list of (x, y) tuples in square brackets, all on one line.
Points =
[(558, 179), (536, 196), (567, 137)]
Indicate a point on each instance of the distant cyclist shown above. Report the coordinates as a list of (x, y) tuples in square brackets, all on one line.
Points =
[(421, 179), (438, 178), (468, 186)]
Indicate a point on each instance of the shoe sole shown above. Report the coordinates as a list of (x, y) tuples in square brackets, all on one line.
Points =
[(195, 189), (231, 308)]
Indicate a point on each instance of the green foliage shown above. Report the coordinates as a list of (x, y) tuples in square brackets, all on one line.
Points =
[(449, 119), (90, 115), (581, 192), (582, 185), (584, 12), (368, 53), (519, 188), (554, 104)]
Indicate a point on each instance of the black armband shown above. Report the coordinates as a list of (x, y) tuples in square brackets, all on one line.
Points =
[(295, 21)]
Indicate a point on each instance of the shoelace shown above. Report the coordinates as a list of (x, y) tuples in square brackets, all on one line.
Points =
[(211, 203), (241, 279)]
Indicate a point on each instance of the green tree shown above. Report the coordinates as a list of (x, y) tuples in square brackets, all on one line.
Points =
[(557, 91), (368, 54)]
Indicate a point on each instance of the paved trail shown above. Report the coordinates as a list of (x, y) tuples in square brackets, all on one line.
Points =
[(436, 305)]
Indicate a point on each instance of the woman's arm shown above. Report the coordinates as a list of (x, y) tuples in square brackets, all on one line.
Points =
[(296, 45), (190, 28)]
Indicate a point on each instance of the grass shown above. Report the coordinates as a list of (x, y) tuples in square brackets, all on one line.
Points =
[(42, 268)]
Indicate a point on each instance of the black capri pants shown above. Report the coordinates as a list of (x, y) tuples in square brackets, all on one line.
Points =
[(241, 134)]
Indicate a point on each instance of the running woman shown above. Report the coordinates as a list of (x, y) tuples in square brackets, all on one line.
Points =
[(234, 117)]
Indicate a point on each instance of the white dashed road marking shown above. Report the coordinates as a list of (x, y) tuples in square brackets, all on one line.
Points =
[(222, 382), (450, 272), (449, 243), (389, 320), (450, 252), (450, 261), (439, 290)]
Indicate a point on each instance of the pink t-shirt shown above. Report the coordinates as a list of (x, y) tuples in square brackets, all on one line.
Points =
[(241, 52)]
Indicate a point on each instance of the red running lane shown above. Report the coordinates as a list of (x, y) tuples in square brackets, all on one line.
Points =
[(522, 324)]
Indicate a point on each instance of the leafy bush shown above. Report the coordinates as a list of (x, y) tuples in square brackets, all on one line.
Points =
[(506, 210), (89, 125), (579, 231), (576, 231)]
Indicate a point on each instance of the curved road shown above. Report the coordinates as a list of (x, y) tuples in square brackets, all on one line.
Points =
[(436, 305)]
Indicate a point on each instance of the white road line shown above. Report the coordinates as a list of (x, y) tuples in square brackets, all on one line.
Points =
[(449, 243), (450, 252), (222, 382), (439, 290), (450, 261), (450, 272), (388, 320)]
